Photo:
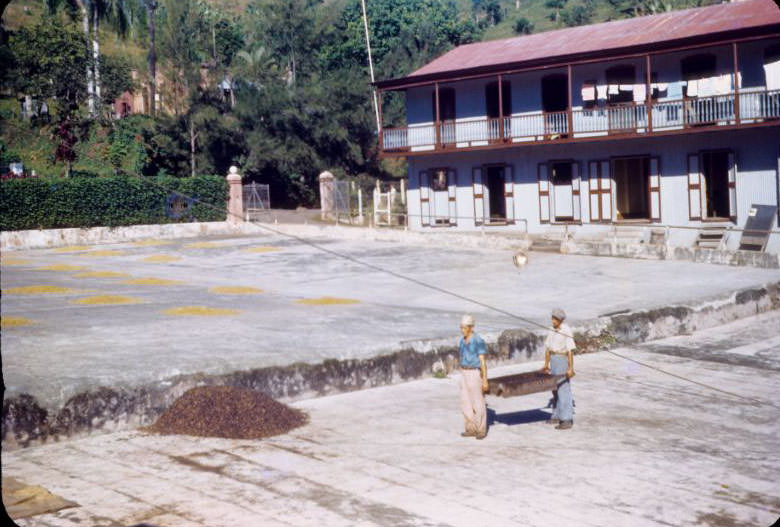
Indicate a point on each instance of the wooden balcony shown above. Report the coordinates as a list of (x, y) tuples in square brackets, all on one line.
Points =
[(750, 108)]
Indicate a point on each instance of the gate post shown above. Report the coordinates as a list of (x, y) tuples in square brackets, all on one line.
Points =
[(236, 202), (326, 194)]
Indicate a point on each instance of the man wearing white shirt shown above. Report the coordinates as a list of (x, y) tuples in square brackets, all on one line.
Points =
[(559, 360)]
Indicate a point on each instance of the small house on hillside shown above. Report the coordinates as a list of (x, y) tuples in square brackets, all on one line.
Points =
[(669, 119)]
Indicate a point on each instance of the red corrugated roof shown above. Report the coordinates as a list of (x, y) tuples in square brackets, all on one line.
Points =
[(598, 38)]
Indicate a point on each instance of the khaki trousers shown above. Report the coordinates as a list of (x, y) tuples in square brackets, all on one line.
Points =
[(472, 402)]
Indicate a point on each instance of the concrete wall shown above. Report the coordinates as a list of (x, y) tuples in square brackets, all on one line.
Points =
[(756, 153)]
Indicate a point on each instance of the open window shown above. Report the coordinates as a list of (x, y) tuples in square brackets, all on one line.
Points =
[(492, 99), (695, 68), (446, 104), (620, 83), (555, 93)]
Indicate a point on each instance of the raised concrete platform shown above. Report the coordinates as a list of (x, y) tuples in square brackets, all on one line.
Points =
[(140, 351), (646, 450)]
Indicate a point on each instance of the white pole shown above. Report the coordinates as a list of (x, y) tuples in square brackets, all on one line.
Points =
[(371, 66), (403, 191), (360, 206)]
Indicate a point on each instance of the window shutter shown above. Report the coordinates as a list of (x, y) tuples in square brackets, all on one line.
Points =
[(694, 187), (425, 198), (509, 193), (593, 187), (605, 182), (575, 192), (479, 196), (732, 187), (655, 189), (544, 193), (452, 187)]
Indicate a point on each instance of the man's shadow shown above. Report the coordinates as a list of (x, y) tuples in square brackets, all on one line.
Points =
[(517, 418)]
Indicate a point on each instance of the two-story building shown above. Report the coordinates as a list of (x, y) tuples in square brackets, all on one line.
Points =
[(667, 119)]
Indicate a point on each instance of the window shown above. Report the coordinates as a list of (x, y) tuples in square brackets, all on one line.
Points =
[(555, 93), (620, 83), (446, 104), (491, 99), (439, 179), (697, 67)]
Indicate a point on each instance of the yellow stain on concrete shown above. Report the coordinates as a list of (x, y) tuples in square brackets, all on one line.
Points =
[(103, 253), (151, 243), (200, 311), (161, 258), (201, 245), (62, 267), (14, 261), (103, 300), (327, 301), (235, 290), (263, 249), (14, 322), (151, 281), (72, 248), (38, 290), (101, 274)]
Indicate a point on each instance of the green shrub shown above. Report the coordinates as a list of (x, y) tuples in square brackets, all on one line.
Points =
[(88, 201)]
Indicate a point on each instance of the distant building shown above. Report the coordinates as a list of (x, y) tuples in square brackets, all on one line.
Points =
[(666, 119)]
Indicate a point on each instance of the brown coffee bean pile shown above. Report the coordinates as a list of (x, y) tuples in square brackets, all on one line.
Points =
[(224, 411)]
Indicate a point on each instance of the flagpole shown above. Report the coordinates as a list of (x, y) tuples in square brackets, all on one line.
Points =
[(371, 67)]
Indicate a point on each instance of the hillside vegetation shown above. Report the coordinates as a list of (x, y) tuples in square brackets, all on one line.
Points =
[(300, 101)]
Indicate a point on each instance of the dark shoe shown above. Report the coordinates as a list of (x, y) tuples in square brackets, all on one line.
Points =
[(481, 436), (553, 421), (467, 434), (565, 425)]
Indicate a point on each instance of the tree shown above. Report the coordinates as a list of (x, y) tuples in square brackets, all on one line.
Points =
[(578, 15), (556, 6), (180, 35), (523, 26)]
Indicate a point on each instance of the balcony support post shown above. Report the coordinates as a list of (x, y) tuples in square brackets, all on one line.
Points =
[(438, 119), (500, 108), (736, 83), (649, 92), (570, 121)]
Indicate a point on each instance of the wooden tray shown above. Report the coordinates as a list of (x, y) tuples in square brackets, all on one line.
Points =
[(523, 383)]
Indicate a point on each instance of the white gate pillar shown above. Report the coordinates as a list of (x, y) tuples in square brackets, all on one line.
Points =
[(236, 201), (326, 194)]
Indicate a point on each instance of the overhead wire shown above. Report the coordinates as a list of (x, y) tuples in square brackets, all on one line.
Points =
[(442, 290)]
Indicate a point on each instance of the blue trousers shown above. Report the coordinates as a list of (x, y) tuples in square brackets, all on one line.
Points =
[(564, 408)]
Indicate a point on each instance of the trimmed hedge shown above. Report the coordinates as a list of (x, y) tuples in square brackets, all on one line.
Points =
[(43, 203)]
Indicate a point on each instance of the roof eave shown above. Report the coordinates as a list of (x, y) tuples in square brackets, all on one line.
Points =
[(669, 46)]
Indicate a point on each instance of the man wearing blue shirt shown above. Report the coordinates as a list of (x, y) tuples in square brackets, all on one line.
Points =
[(473, 380)]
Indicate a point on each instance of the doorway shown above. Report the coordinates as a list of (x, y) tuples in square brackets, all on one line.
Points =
[(496, 180), (715, 183), (563, 197), (632, 188)]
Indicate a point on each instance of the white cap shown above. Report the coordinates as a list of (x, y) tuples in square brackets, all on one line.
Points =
[(559, 314), (467, 320)]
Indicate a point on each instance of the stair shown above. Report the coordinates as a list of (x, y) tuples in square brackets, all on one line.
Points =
[(710, 237), (546, 245)]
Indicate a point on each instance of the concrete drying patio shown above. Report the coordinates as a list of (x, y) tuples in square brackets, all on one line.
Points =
[(646, 450), (76, 318)]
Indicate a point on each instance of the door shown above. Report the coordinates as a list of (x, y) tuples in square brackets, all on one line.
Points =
[(440, 203), (732, 187), (544, 193), (600, 186), (479, 196), (562, 191)]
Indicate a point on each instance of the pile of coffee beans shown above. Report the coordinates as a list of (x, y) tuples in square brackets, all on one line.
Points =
[(225, 411)]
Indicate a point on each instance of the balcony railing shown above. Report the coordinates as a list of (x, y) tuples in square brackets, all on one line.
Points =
[(630, 118)]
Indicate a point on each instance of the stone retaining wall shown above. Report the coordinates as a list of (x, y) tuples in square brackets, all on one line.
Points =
[(106, 409)]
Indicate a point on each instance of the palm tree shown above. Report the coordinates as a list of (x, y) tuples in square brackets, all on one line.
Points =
[(114, 12)]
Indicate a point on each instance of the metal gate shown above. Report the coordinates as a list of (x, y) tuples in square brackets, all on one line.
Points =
[(341, 199), (257, 201)]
